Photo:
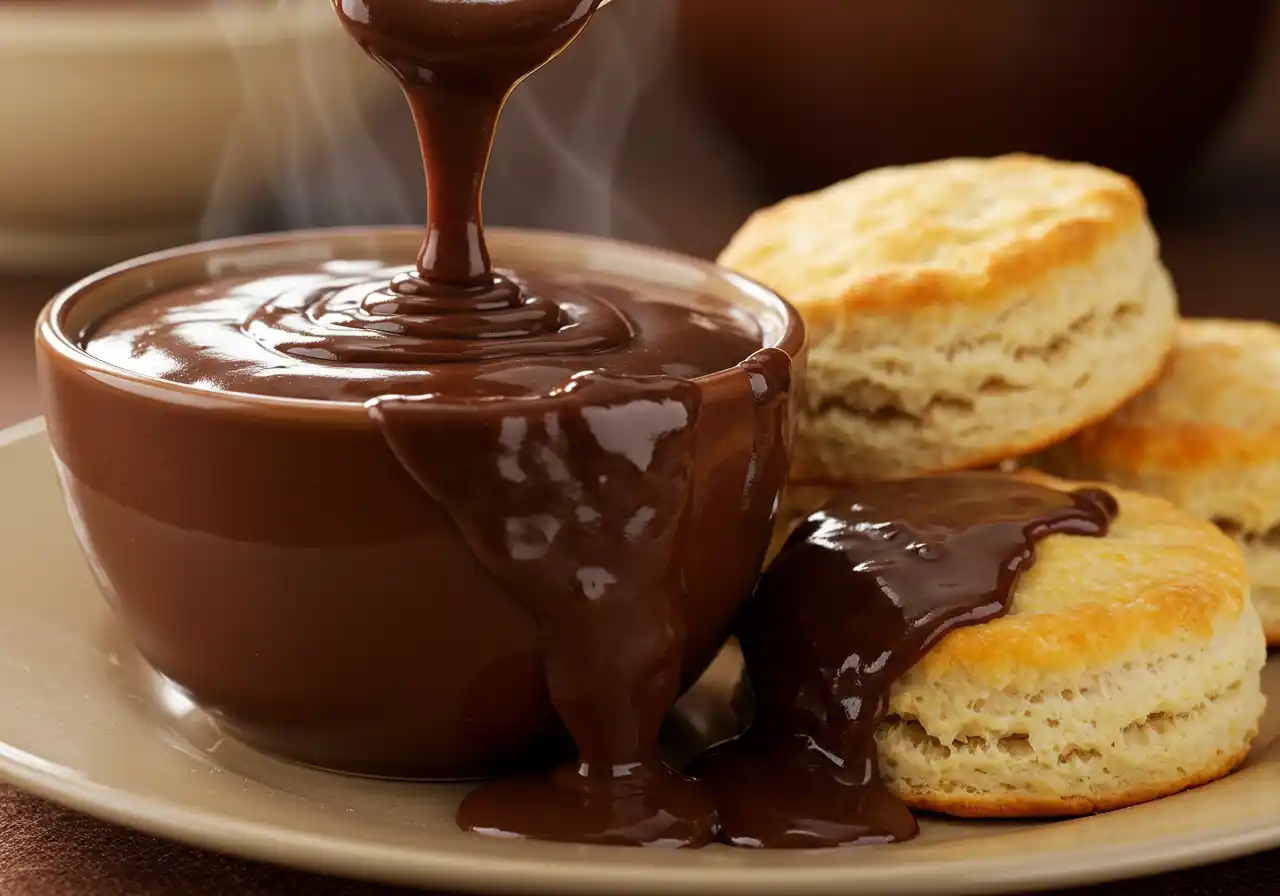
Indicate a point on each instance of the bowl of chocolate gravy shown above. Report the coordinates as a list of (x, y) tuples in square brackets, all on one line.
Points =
[(359, 553)]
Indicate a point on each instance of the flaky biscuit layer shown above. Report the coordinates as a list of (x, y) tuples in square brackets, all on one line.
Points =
[(963, 311), (1128, 667)]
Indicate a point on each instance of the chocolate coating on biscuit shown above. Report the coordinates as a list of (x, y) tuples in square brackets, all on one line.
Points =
[(859, 594)]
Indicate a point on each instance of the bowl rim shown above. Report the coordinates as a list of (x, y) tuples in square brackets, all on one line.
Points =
[(34, 28), (53, 337)]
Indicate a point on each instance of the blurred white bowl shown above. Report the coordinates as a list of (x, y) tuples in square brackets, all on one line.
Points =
[(120, 122)]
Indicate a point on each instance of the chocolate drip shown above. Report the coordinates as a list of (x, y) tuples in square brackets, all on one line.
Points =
[(769, 376), (860, 593), (457, 62), (586, 500)]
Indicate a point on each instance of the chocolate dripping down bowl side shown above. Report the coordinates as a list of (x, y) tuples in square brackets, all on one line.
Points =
[(273, 559)]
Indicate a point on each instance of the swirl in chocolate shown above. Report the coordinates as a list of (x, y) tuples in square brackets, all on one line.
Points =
[(860, 592), (276, 333), (350, 323)]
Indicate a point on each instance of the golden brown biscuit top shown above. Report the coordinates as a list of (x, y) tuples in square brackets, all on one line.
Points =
[(1159, 577), (1217, 403), (958, 230)]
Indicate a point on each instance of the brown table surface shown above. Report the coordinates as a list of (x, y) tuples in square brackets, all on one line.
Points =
[(1223, 245)]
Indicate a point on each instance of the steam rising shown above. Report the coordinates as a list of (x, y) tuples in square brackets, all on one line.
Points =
[(562, 135), (304, 142), (302, 154)]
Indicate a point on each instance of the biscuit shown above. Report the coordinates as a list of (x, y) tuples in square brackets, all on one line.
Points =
[(1207, 437), (964, 311), (1127, 668)]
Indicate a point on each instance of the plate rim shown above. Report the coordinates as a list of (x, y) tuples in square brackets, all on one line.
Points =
[(333, 855)]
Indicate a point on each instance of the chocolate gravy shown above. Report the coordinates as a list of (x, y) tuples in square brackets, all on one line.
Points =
[(860, 593), (272, 334)]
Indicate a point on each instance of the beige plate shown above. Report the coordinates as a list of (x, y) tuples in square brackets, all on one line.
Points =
[(83, 723)]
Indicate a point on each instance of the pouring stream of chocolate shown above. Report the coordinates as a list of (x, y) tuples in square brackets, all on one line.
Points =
[(858, 595), (587, 490), (457, 62)]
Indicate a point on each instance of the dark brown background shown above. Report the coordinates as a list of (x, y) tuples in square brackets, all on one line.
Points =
[(678, 184)]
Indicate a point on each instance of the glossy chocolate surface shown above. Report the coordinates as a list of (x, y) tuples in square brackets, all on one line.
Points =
[(861, 591), (275, 335)]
